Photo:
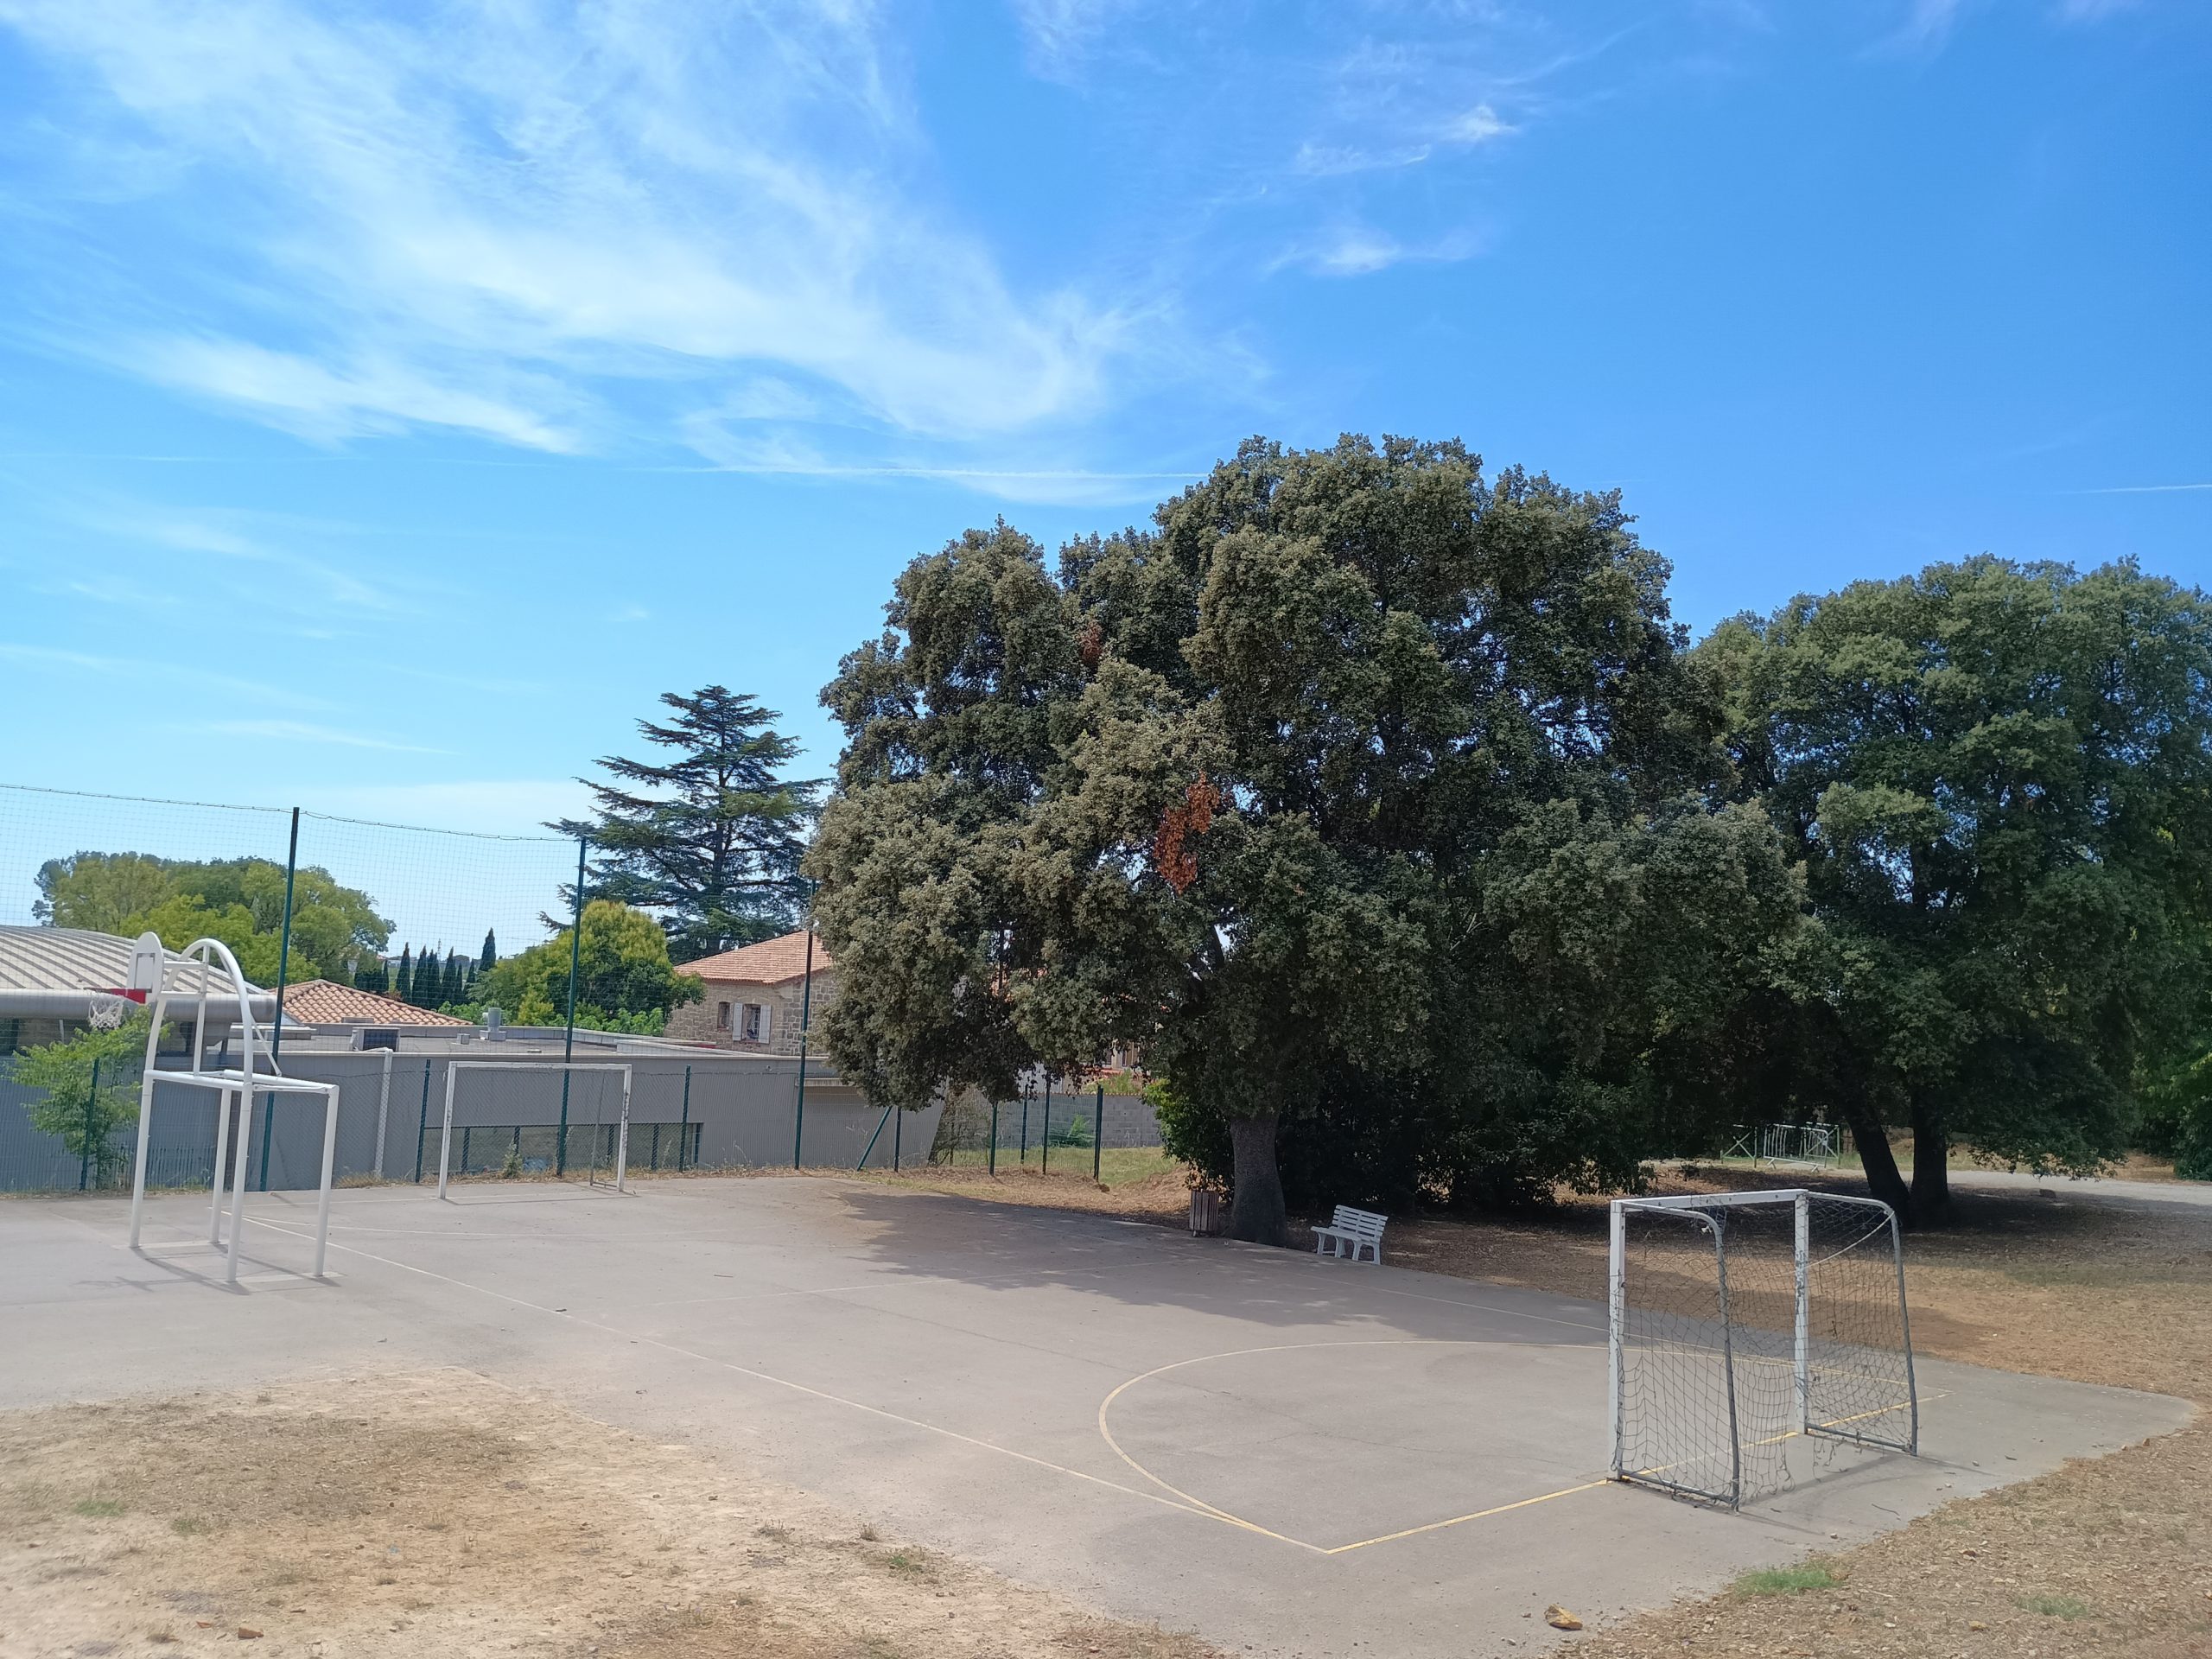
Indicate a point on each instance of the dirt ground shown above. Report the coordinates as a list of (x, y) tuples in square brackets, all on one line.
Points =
[(2111, 1556), (443, 1514)]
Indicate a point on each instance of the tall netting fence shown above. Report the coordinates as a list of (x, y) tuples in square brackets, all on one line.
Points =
[(404, 953), (1755, 1337), (1105, 1129)]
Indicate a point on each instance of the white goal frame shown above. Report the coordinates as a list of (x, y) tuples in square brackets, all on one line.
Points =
[(454, 1068), (244, 1084), (1693, 1207)]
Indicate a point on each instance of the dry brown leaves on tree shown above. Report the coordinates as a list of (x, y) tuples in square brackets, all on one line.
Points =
[(1172, 853)]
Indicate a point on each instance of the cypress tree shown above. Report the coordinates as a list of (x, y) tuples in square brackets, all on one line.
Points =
[(490, 959), (456, 977), (405, 992)]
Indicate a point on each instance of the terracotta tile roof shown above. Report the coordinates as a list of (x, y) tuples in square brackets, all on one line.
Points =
[(772, 962), (324, 1002)]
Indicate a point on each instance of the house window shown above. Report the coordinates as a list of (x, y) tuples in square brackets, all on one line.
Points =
[(753, 1022), (722, 1016)]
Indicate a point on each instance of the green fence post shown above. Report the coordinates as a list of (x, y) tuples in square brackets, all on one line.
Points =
[(805, 1018), (284, 975), (422, 1123), (92, 1116), (1098, 1132), (569, 1045), (1023, 1157), (898, 1128), (995, 1138), (1045, 1147), (684, 1129), (877, 1136)]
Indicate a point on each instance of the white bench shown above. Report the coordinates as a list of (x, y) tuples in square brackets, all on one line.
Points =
[(1349, 1231)]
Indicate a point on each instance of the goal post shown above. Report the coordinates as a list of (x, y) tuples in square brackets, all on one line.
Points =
[(1742, 1324), (454, 1068)]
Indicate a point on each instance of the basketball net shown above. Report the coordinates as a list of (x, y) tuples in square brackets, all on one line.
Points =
[(108, 1011)]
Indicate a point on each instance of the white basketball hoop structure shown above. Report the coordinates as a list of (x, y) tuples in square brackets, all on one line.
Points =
[(243, 1084), (106, 1010)]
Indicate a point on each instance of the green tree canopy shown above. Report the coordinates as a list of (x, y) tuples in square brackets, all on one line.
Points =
[(625, 981), (1293, 794), (709, 840), (335, 929), (1998, 779)]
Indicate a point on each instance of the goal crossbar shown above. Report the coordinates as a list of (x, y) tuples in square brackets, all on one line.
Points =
[(454, 1068), (1697, 1304)]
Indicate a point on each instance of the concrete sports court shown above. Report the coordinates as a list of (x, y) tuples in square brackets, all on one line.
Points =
[(1280, 1453)]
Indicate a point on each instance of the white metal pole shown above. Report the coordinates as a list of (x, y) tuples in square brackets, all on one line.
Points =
[(199, 1012), (146, 1111), (622, 1135), (445, 1136), (383, 1111), (1616, 1304), (1803, 1368), (246, 1119), (222, 1144), (1904, 1331), (329, 1160), (238, 1186)]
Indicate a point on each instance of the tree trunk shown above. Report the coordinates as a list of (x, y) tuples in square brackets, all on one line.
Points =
[(1872, 1137), (1256, 1213), (1931, 1168)]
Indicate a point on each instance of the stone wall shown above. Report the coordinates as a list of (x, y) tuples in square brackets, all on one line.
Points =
[(697, 1022)]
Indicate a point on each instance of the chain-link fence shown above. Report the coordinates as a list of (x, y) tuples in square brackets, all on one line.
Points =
[(417, 967), (1053, 1126)]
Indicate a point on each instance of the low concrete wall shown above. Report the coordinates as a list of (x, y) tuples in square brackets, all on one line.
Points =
[(725, 1112)]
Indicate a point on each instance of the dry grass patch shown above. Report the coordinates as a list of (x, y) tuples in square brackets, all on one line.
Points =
[(1153, 1191), (444, 1515)]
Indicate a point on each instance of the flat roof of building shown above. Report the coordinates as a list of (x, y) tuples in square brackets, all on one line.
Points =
[(55, 973)]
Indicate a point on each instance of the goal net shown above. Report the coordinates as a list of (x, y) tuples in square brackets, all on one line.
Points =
[(1747, 1328), (520, 1117)]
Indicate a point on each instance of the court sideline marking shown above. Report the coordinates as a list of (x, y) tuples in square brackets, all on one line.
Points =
[(1180, 1501), (1290, 1347), (514, 1301)]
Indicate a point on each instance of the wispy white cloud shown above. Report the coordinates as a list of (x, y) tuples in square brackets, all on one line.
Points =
[(1058, 34), (497, 217), (1361, 250), (327, 583), (121, 686), (319, 400), (2145, 489), (780, 452), (300, 731), (1929, 23), (1476, 126)]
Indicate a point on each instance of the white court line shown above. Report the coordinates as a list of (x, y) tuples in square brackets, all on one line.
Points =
[(746, 1371)]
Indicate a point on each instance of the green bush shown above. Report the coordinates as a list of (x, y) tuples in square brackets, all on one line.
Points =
[(73, 1106)]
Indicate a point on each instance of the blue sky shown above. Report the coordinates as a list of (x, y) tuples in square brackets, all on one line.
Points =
[(394, 399)]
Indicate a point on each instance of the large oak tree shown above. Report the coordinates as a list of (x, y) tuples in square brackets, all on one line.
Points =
[(1296, 793), (1998, 779)]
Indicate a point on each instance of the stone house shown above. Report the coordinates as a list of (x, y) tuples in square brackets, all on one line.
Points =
[(755, 996)]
